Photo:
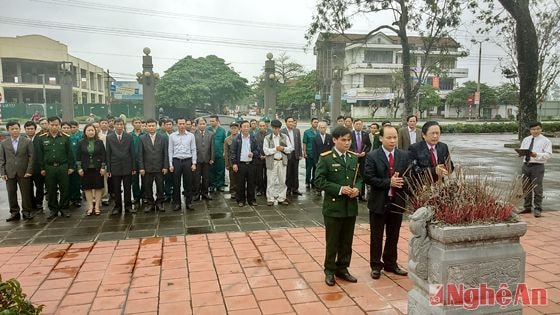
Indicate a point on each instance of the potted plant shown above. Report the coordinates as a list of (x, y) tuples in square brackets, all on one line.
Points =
[(13, 301), (465, 252)]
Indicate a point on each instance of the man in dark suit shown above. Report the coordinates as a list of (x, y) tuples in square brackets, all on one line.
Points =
[(384, 171), (409, 134), (121, 166), (292, 174), (153, 163), (244, 152), (361, 145), (321, 143), (37, 179), (430, 157), (16, 168), (205, 157)]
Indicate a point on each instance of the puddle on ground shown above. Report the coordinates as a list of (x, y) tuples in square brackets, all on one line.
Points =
[(200, 230), (220, 215)]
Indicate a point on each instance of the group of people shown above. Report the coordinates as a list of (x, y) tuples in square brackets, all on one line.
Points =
[(262, 159)]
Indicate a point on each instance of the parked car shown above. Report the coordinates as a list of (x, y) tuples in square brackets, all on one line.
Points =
[(225, 120)]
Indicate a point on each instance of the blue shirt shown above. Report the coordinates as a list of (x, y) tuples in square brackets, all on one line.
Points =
[(245, 149), (15, 144), (182, 146)]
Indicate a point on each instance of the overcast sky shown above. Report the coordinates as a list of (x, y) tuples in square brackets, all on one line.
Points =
[(112, 34)]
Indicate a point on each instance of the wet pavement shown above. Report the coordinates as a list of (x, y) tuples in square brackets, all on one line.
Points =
[(484, 152)]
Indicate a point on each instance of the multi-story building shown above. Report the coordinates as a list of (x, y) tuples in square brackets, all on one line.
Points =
[(370, 66), (32, 66)]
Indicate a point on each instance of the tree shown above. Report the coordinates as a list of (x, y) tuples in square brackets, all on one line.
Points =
[(458, 98), (286, 69), (428, 98), (299, 91), (526, 47), (507, 94), (432, 18), (190, 83)]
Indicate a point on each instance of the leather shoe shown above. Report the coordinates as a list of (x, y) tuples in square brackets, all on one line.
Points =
[(190, 206), (159, 207), (397, 270), (329, 280), (538, 214), (177, 208), (297, 193), (240, 204), (27, 215), (116, 211), (269, 203), (131, 210), (14, 217), (149, 208), (207, 197), (221, 189), (285, 202), (376, 274), (253, 203), (524, 211), (346, 276)]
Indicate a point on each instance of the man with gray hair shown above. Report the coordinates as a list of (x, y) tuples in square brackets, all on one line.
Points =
[(276, 148)]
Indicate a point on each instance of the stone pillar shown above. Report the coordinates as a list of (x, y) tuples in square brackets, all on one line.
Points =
[(66, 85), (148, 85), (269, 87), (18, 72), (336, 94)]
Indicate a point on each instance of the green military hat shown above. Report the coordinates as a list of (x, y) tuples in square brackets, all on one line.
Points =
[(265, 119)]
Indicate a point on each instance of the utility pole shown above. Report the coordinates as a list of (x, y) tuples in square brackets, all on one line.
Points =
[(270, 87), (66, 98), (44, 95)]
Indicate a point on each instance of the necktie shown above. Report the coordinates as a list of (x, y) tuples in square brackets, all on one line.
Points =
[(391, 172), (359, 141), (528, 157), (344, 158), (433, 156), (119, 137)]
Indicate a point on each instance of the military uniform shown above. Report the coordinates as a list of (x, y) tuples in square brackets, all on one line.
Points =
[(56, 157), (137, 191), (308, 137), (218, 168), (339, 211), (75, 180)]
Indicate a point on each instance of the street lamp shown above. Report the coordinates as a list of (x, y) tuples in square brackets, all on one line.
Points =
[(269, 87), (476, 100), (66, 84)]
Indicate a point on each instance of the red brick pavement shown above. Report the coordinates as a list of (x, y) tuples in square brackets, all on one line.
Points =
[(264, 272)]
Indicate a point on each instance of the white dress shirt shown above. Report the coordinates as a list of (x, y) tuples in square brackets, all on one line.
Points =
[(542, 146)]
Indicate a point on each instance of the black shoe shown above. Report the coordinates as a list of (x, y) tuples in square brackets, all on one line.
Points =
[(253, 203), (211, 189), (307, 186), (52, 216), (259, 193), (346, 276), (116, 211), (538, 213), (159, 207), (27, 215), (329, 280), (207, 197), (297, 193), (524, 211), (132, 210), (396, 270), (376, 274), (13, 217), (190, 206), (65, 214), (149, 208), (177, 208), (241, 204), (105, 203), (221, 189)]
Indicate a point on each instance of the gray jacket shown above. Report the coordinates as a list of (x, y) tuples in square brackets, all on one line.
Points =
[(269, 149)]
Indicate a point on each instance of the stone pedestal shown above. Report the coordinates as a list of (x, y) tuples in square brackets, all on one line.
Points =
[(444, 258)]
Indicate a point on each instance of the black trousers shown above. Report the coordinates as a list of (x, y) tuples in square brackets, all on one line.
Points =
[(339, 234), (39, 182), (201, 179), (182, 170), (126, 181), (292, 178), (260, 177), (24, 184), (148, 187), (390, 222), (245, 188), (534, 174)]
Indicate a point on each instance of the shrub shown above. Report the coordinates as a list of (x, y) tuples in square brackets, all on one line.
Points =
[(13, 301)]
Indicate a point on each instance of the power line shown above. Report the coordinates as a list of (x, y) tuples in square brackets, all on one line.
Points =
[(167, 14), (105, 30)]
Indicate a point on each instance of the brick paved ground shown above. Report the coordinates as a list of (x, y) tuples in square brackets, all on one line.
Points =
[(261, 272)]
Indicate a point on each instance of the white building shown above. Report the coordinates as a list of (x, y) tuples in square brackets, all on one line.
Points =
[(369, 67)]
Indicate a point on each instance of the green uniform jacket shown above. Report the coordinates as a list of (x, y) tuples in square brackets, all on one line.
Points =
[(136, 142), (308, 137), (74, 140), (56, 150), (219, 137), (331, 174)]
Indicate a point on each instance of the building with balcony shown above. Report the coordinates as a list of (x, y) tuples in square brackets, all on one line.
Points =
[(32, 66), (370, 66)]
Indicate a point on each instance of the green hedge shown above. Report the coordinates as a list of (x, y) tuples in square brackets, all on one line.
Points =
[(493, 127)]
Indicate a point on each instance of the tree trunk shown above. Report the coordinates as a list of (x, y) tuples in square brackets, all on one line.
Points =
[(527, 60), (407, 84)]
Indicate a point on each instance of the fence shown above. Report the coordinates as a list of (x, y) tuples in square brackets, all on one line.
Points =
[(25, 111)]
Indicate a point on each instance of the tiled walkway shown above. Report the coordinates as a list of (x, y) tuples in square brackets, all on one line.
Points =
[(262, 272)]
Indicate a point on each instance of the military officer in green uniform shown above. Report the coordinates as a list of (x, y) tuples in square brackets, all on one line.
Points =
[(308, 137), (57, 162), (218, 169), (137, 190), (75, 180), (337, 174)]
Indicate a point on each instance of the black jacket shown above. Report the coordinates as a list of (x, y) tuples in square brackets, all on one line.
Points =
[(120, 155), (318, 147), (98, 156), (377, 174), (421, 161), (236, 149), (152, 158)]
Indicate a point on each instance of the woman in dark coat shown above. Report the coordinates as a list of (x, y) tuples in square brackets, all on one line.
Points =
[(91, 162)]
